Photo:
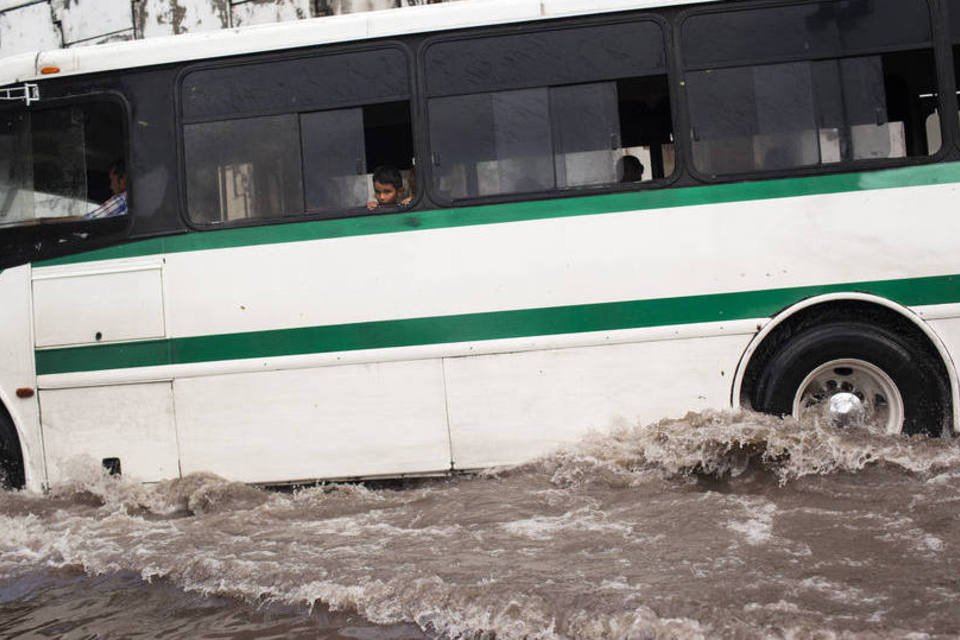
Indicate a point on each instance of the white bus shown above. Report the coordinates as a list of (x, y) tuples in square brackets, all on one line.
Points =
[(616, 208)]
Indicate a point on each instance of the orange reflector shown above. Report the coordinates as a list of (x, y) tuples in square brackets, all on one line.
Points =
[(24, 392), (48, 70)]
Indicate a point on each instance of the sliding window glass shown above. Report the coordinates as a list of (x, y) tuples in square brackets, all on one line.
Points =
[(548, 111), (811, 84), (953, 26), (293, 137)]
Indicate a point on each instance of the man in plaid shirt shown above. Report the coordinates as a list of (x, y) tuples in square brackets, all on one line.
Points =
[(117, 204)]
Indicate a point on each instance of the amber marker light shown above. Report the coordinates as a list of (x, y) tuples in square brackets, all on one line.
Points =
[(24, 392), (49, 70)]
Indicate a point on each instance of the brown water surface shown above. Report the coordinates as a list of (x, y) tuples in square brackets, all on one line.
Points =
[(715, 526)]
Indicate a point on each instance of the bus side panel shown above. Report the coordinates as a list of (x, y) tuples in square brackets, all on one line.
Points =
[(332, 422), (505, 409), (17, 369), (134, 423), (74, 306), (578, 260)]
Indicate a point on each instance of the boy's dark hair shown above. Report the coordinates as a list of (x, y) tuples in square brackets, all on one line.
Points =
[(388, 174), (630, 169)]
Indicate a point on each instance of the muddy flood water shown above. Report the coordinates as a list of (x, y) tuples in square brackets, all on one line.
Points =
[(714, 526)]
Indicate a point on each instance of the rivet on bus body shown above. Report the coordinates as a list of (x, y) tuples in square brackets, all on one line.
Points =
[(49, 70), (24, 392)]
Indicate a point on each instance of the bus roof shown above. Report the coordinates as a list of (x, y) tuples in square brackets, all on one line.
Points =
[(324, 30)]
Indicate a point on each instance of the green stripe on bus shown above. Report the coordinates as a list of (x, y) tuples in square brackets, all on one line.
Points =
[(522, 211), (609, 316)]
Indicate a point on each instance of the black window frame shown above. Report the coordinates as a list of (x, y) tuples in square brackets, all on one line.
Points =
[(425, 173), (843, 166), (283, 56)]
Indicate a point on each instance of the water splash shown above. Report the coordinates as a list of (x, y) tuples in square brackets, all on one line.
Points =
[(727, 444)]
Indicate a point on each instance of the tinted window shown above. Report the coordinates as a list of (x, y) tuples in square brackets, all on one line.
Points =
[(300, 84), (953, 9), (511, 138), (550, 138), (502, 138), (765, 116), (334, 148), (241, 169), (956, 78), (302, 161), (820, 29), (62, 163), (953, 12), (747, 118), (545, 58)]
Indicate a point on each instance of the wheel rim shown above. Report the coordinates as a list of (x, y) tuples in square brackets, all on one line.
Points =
[(850, 392)]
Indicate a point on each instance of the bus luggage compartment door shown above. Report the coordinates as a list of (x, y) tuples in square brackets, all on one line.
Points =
[(133, 422)]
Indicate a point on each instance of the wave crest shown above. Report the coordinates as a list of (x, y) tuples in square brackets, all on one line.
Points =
[(727, 444)]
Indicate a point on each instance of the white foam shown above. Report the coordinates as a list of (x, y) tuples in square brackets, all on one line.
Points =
[(757, 529), (837, 591), (781, 605), (580, 521)]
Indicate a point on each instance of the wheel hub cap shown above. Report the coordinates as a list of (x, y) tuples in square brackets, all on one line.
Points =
[(850, 393), (846, 409)]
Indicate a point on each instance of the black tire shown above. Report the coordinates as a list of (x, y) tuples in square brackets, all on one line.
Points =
[(915, 373), (11, 456)]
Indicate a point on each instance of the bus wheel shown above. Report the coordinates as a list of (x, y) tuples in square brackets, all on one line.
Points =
[(854, 374), (11, 458)]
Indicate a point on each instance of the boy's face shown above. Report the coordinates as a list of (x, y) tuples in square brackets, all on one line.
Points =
[(386, 193)]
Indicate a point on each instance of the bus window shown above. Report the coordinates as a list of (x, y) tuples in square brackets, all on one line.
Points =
[(245, 168), (548, 111), (296, 136), (953, 8), (342, 148), (853, 105), (956, 68), (746, 118), (56, 163)]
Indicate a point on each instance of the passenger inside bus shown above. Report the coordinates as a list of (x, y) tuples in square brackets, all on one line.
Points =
[(388, 189), (115, 205)]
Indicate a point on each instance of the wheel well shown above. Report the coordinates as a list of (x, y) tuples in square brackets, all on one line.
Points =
[(11, 454), (832, 311)]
